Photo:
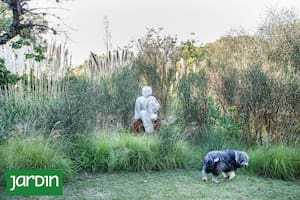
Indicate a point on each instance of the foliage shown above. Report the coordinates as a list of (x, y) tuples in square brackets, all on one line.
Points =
[(156, 63), (173, 153), (34, 152), (19, 19), (76, 111), (22, 26), (229, 85), (38, 49), (125, 89), (222, 130), (281, 30), (258, 76), (192, 54), (256, 97), (125, 152), (6, 77), (21, 115), (81, 106), (192, 98), (5, 20), (276, 162)]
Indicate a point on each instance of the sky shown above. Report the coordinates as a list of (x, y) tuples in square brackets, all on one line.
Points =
[(128, 19)]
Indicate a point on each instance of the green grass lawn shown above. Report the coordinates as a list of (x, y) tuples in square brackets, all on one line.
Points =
[(175, 185)]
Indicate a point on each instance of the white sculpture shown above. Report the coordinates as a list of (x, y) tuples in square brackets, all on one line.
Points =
[(146, 109)]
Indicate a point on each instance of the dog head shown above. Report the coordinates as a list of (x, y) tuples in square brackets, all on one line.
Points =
[(242, 159)]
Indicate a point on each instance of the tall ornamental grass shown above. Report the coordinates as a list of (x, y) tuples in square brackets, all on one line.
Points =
[(34, 152), (276, 162), (126, 152)]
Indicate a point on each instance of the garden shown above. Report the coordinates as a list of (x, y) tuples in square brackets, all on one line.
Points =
[(240, 92)]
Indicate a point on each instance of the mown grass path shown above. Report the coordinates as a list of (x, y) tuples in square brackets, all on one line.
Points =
[(180, 184)]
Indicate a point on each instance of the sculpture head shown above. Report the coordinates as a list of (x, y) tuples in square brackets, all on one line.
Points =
[(146, 91)]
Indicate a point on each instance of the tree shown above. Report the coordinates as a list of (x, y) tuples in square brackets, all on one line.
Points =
[(281, 31), (156, 61), (18, 20)]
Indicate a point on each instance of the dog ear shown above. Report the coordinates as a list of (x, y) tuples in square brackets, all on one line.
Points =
[(236, 155), (217, 160)]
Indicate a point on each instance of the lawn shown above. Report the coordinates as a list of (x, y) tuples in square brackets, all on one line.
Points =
[(180, 184)]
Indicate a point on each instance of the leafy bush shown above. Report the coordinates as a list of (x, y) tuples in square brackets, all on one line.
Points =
[(6, 76), (276, 162), (192, 98), (76, 111), (222, 130), (229, 85), (125, 89), (34, 153), (156, 63)]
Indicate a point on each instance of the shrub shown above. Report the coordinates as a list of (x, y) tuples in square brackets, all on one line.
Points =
[(222, 130), (76, 111), (276, 162), (156, 63), (34, 153), (192, 98), (125, 90), (229, 85)]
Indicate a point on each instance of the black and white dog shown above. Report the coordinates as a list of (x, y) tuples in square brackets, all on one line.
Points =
[(226, 162)]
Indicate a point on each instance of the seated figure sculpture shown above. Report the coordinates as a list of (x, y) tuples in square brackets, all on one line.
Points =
[(146, 109)]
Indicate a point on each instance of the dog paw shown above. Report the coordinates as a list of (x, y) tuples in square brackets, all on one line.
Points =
[(231, 175), (215, 181), (225, 175), (204, 179)]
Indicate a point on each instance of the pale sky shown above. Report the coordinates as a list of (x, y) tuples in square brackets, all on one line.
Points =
[(209, 20)]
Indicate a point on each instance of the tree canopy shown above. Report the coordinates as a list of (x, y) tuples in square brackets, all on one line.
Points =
[(17, 18)]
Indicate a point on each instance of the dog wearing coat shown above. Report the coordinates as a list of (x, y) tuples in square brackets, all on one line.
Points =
[(226, 162)]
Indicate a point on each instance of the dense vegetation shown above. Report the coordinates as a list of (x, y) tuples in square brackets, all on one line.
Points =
[(242, 91)]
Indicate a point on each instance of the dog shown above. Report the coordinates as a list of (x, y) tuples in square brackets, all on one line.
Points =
[(226, 162)]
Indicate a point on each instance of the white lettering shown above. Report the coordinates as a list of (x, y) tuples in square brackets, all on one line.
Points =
[(28, 180), (56, 180), (22, 183), (46, 180), (37, 178), (14, 183)]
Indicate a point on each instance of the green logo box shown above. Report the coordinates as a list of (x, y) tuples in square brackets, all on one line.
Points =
[(34, 182)]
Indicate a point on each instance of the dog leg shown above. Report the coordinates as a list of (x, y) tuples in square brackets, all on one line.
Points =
[(225, 175), (214, 179), (231, 175), (204, 176)]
